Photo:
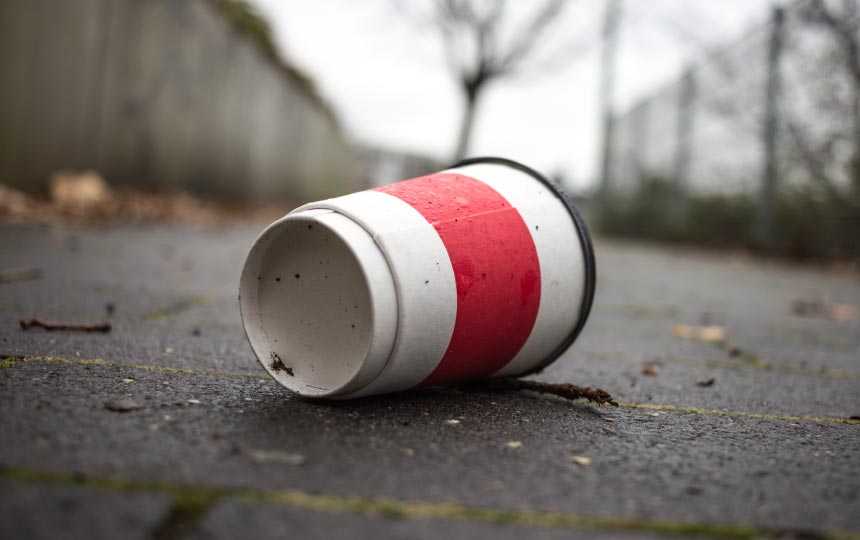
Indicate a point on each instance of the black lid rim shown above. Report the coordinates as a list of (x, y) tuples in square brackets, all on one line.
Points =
[(585, 242)]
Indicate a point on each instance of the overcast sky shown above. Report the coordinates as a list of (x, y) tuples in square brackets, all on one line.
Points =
[(387, 79)]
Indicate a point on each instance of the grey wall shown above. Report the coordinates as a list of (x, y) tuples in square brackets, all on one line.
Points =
[(157, 94)]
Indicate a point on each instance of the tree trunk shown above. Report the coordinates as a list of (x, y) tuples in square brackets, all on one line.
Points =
[(855, 161), (466, 125)]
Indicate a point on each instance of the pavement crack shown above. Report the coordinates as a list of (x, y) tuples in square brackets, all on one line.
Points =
[(746, 361), (743, 414), (192, 502), (178, 307)]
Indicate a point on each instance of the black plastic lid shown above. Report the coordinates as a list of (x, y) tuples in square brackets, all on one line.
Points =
[(584, 239)]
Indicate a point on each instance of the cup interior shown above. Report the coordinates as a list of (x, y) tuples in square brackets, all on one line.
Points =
[(312, 312)]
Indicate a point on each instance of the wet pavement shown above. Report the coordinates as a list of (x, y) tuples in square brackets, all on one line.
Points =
[(218, 450)]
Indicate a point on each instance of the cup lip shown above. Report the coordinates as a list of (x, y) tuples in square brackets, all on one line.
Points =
[(590, 274), (371, 366)]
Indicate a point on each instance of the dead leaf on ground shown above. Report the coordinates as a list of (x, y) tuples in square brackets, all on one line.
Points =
[(701, 333), (20, 274), (806, 307), (513, 444), (580, 460), (79, 191), (84, 198), (815, 307), (122, 405), (843, 312), (652, 369)]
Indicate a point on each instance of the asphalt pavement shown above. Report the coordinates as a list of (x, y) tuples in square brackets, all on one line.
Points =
[(737, 379)]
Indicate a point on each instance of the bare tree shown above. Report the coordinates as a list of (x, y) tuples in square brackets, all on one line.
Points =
[(483, 44), (841, 20)]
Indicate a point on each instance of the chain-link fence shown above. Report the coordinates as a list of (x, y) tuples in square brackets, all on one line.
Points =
[(762, 121)]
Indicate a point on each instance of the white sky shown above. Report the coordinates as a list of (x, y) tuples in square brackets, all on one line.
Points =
[(387, 79)]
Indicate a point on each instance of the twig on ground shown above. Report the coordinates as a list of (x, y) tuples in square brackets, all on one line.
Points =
[(26, 324), (566, 391)]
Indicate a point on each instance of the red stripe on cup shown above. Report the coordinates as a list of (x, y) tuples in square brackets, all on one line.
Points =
[(496, 269)]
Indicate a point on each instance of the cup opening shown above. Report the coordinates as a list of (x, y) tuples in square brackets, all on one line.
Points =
[(308, 304)]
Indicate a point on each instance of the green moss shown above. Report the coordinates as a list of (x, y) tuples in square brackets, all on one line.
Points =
[(178, 307), (742, 414), (187, 510), (752, 362)]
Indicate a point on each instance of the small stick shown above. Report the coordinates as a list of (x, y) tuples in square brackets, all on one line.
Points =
[(567, 391), (48, 325)]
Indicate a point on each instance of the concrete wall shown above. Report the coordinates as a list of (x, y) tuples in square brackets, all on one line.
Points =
[(157, 94)]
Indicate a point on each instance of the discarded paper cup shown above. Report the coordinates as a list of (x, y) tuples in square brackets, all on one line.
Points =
[(482, 270)]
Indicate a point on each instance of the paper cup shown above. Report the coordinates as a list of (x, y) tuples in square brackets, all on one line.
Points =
[(485, 269)]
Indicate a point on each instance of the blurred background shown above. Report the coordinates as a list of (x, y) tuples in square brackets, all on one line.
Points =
[(732, 124)]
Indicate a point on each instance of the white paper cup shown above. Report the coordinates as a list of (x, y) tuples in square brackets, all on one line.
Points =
[(485, 269)]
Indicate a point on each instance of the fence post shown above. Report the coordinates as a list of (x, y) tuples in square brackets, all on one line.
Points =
[(765, 218), (683, 148), (611, 23), (640, 125)]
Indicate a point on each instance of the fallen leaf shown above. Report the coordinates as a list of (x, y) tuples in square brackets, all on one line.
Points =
[(807, 308), (818, 308), (128, 381), (711, 333), (513, 444), (701, 333), (194, 401), (122, 405), (683, 331), (580, 460), (652, 369), (709, 381), (78, 191), (608, 419), (20, 274), (273, 456), (843, 312)]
